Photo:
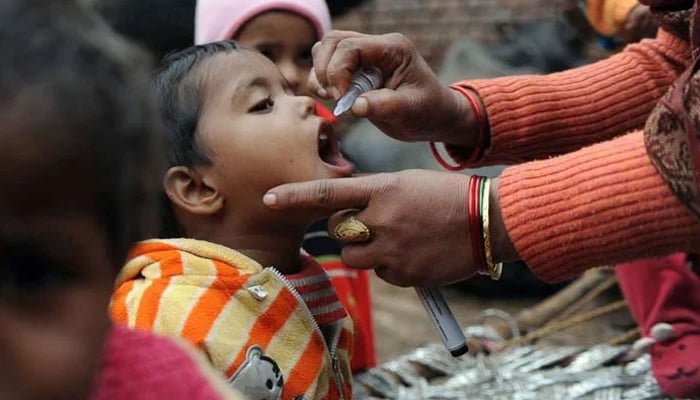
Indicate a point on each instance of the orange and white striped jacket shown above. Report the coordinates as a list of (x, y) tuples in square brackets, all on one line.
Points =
[(249, 320)]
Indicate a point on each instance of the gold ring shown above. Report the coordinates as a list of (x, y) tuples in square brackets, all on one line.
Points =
[(351, 230)]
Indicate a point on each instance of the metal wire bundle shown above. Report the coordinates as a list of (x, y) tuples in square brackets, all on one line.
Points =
[(517, 373)]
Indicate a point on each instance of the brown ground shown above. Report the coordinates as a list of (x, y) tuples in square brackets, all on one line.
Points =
[(401, 323)]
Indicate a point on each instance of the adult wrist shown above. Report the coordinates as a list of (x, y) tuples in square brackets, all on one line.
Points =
[(503, 249), (467, 137), (485, 248), (467, 126)]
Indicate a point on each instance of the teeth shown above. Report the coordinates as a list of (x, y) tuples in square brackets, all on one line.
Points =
[(323, 136)]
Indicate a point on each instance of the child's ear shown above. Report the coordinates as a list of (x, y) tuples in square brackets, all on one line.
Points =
[(189, 190)]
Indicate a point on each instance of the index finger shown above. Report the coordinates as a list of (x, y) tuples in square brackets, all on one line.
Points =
[(334, 194), (322, 53)]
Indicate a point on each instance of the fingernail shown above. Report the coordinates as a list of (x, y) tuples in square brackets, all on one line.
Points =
[(270, 199), (360, 107), (321, 92), (335, 92)]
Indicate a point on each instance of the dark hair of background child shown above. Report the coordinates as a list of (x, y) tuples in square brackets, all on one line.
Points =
[(91, 100), (165, 25)]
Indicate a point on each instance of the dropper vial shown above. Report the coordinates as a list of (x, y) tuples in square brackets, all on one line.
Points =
[(364, 80)]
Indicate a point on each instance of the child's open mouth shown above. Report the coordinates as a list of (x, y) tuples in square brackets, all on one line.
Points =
[(329, 150)]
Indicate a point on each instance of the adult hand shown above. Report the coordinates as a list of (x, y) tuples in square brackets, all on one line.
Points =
[(640, 24), (418, 223), (412, 106)]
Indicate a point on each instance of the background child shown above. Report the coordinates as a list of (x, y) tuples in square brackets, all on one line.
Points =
[(285, 31), (264, 315), (77, 133)]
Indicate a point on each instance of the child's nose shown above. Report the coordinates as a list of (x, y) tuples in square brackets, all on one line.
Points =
[(307, 105), (291, 74)]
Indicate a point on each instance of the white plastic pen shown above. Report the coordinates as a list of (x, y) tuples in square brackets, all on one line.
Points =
[(443, 320)]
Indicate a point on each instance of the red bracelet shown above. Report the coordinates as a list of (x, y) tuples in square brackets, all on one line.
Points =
[(480, 121), (461, 166), (475, 225), (480, 239), (478, 152)]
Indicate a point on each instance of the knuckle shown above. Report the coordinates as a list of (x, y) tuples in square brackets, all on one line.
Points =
[(402, 40), (397, 37), (332, 73), (333, 35), (291, 197), (392, 276), (315, 49), (392, 182), (346, 44), (324, 193)]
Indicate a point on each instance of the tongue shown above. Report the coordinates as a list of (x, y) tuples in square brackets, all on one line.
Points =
[(329, 152)]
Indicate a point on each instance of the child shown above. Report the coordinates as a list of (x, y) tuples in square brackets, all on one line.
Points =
[(77, 133), (285, 31), (266, 316)]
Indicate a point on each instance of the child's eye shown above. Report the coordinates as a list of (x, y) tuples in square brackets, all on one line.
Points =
[(262, 106), (304, 58), (269, 54)]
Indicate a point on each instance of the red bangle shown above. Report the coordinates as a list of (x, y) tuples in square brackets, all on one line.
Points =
[(478, 152), (480, 239), (480, 121), (444, 164), (475, 225)]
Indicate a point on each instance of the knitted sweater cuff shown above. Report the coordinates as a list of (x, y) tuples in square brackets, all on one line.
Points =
[(601, 205), (532, 117)]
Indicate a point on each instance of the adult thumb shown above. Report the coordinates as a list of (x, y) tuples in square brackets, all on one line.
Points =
[(379, 104)]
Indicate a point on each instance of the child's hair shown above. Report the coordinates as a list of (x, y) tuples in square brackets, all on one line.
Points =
[(179, 93), (83, 91), (159, 25)]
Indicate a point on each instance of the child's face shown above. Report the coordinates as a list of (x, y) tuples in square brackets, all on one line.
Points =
[(55, 277), (257, 132), (286, 39)]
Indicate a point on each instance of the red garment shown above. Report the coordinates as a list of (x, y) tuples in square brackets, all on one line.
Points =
[(315, 287), (142, 366), (353, 290), (667, 290)]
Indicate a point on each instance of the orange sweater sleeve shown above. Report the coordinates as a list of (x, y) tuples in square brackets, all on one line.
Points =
[(533, 117), (608, 17), (600, 205)]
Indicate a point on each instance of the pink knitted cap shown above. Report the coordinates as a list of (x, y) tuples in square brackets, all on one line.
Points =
[(220, 19)]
